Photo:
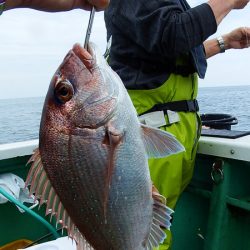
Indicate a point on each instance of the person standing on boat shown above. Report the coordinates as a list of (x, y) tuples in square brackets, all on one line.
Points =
[(53, 5), (159, 50)]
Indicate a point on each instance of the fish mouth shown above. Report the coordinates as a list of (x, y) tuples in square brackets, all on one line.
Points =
[(85, 55)]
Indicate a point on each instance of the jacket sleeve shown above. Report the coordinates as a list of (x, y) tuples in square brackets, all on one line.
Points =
[(161, 26)]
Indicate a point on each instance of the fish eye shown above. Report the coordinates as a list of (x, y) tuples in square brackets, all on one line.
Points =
[(64, 91)]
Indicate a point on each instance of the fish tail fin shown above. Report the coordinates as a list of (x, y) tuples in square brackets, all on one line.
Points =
[(161, 220)]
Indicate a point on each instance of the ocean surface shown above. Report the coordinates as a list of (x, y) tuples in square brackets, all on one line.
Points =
[(20, 118)]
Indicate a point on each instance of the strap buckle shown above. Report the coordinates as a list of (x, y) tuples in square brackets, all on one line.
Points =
[(192, 106)]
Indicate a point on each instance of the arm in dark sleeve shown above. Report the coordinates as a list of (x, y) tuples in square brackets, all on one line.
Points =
[(162, 27)]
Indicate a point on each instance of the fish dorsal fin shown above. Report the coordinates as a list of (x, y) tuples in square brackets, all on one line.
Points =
[(159, 143), (40, 185), (161, 219)]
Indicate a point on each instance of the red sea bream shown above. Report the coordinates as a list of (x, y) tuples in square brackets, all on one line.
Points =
[(91, 168)]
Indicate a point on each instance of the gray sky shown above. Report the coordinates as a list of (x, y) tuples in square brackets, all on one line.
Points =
[(33, 44)]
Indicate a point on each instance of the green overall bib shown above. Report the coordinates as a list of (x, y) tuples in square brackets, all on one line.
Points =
[(172, 174)]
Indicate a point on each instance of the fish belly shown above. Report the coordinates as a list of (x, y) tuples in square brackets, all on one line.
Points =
[(77, 170)]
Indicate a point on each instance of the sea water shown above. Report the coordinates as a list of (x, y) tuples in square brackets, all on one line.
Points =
[(20, 118)]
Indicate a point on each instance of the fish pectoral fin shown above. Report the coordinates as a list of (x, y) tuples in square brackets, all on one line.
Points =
[(159, 143), (161, 220), (114, 138), (41, 186)]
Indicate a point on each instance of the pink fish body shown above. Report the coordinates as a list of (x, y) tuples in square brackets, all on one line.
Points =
[(91, 166)]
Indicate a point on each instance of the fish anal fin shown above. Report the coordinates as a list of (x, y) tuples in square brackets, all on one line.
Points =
[(161, 219), (47, 194), (159, 143)]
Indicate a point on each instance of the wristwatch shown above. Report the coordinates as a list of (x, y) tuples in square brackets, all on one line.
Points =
[(2, 4), (221, 44)]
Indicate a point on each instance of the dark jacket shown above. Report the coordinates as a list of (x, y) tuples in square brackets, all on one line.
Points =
[(149, 35)]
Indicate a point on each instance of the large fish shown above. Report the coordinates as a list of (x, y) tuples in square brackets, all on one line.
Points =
[(91, 166)]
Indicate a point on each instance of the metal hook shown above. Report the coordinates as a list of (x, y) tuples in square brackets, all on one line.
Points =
[(89, 28), (217, 173)]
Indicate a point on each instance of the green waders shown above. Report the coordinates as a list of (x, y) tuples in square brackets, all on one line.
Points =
[(172, 174)]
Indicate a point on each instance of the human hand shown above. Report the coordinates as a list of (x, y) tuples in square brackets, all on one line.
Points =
[(57, 5), (239, 4), (237, 39), (99, 4)]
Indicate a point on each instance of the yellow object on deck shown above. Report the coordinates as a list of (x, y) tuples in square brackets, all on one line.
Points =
[(18, 244)]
